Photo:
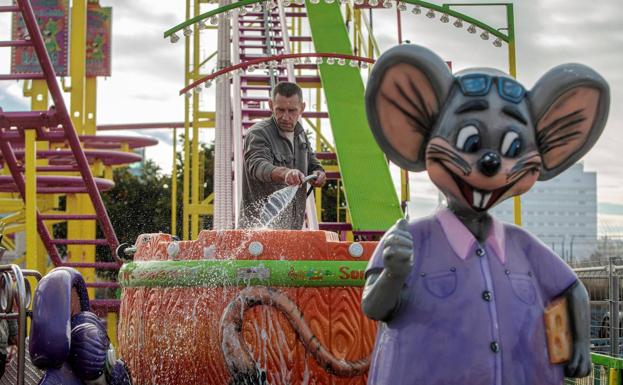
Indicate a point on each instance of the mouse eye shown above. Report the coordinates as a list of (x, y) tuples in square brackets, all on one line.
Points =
[(468, 139), (511, 145)]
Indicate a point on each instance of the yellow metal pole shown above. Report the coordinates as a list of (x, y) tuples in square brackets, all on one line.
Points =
[(357, 31), (39, 102), (613, 377), (30, 163), (79, 204), (512, 69), (78, 63), (186, 179), (90, 120), (174, 186), (111, 322), (404, 185)]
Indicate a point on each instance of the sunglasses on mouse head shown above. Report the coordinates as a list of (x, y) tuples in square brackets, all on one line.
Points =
[(480, 84)]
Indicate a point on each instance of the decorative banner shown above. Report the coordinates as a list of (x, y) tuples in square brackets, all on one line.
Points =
[(228, 272), (53, 19), (99, 32)]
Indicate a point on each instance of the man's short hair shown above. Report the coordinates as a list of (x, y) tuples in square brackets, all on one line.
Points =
[(287, 89)]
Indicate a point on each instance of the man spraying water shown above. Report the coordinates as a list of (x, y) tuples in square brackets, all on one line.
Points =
[(277, 154)]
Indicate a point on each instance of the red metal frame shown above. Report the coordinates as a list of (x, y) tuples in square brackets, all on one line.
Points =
[(47, 124), (248, 63)]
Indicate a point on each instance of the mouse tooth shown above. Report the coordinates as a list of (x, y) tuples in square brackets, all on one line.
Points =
[(477, 198), (486, 199)]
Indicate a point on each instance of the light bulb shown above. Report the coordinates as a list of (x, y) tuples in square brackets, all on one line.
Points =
[(402, 7), (484, 35), (444, 18), (174, 38), (373, 3), (319, 60), (214, 20), (416, 10), (430, 14), (353, 63), (471, 28), (497, 42), (187, 31), (341, 61), (330, 60), (364, 65), (387, 4), (198, 89), (458, 23)]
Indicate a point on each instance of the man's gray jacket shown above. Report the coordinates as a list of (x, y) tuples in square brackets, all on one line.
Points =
[(266, 148)]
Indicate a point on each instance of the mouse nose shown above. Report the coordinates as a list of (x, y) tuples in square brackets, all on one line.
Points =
[(489, 163)]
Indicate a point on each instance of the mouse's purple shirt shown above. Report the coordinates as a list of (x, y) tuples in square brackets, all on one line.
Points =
[(474, 313)]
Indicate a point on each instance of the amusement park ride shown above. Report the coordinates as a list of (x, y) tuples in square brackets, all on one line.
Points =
[(219, 306)]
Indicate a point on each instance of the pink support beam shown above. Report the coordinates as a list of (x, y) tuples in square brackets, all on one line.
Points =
[(21, 76), (15, 43), (29, 119), (7, 152)]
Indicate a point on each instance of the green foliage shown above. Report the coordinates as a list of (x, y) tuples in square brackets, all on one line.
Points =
[(139, 203)]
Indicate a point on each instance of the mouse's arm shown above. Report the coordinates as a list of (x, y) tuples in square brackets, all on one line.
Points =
[(382, 293), (579, 315), (381, 296)]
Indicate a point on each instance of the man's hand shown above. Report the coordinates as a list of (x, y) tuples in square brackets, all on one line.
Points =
[(320, 180), (398, 250), (294, 177), (11, 353)]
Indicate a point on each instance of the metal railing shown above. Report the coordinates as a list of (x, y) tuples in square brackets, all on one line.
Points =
[(604, 286), (15, 299)]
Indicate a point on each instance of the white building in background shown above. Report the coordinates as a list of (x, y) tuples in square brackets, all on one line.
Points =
[(562, 212)]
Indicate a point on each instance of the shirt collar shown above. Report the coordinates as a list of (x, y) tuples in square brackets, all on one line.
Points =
[(298, 128), (462, 240)]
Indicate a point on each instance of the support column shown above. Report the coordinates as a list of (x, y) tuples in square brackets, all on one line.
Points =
[(30, 163), (79, 203), (39, 102), (223, 203)]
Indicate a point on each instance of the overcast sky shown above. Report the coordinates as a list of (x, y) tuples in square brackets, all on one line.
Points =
[(148, 70)]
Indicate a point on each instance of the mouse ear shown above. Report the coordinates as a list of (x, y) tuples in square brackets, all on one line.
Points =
[(570, 106), (406, 89)]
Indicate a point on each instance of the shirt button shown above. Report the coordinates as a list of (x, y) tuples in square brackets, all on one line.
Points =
[(486, 295), (480, 252), (495, 347)]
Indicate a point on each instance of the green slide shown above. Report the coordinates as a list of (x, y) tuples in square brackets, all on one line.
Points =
[(370, 193)]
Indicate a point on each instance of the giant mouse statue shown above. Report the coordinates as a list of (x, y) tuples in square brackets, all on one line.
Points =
[(461, 296)]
